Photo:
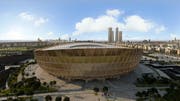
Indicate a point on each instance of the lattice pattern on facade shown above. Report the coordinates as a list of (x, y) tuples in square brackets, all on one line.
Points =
[(88, 63)]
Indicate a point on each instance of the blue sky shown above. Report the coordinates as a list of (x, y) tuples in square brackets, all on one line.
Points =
[(89, 19)]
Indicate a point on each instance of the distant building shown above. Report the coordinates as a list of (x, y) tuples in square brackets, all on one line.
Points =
[(69, 39), (110, 35), (178, 52), (25, 43), (39, 40), (118, 35)]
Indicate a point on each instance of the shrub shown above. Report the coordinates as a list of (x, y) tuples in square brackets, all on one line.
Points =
[(66, 99), (105, 89), (96, 89), (58, 98), (48, 98)]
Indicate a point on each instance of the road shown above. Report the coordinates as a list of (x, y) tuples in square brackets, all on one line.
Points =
[(75, 92)]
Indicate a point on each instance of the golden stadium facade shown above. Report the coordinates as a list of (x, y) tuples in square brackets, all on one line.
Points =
[(88, 60)]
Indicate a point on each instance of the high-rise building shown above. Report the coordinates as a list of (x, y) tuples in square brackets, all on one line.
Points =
[(117, 31), (120, 36), (110, 35)]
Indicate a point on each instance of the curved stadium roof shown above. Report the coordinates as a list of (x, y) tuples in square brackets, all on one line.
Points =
[(81, 45)]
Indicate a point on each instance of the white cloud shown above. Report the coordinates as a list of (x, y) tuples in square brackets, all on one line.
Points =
[(40, 21), (132, 23), (137, 23), (64, 36), (134, 38), (99, 24), (50, 33), (26, 16), (37, 21), (114, 12), (14, 33), (160, 29), (174, 35)]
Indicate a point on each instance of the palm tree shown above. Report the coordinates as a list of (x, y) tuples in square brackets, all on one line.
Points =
[(96, 90), (105, 89), (44, 83), (33, 99), (9, 99), (33, 73), (52, 83), (66, 99), (48, 98), (58, 98), (139, 94)]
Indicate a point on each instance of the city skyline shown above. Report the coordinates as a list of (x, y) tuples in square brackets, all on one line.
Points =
[(89, 20)]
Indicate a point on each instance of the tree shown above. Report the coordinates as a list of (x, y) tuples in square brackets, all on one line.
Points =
[(48, 98), (139, 94), (149, 95), (28, 91), (66, 99), (33, 73), (22, 73), (9, 99), (58, 98), (27, 74), (96, 89), (52, 83), (154, 90), (35, 84), (44, 83), (33, 99), (140, 99), (105, 89), (19, 92)]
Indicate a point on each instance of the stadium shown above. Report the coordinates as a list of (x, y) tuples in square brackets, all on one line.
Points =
[(87, 61)]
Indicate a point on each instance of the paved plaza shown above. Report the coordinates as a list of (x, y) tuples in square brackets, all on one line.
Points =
[(121, 88)]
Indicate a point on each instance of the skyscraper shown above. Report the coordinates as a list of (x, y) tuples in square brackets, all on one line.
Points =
[(110, 35), (120, 36), (117, 31)]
